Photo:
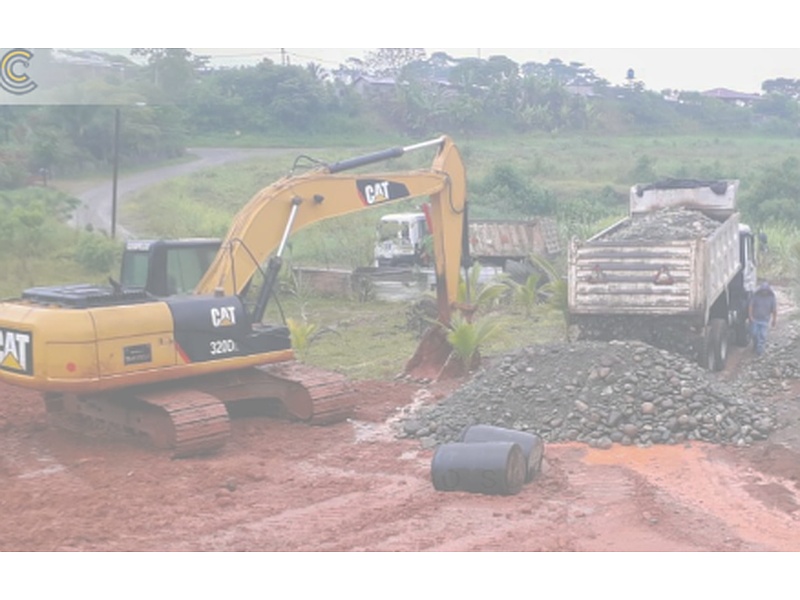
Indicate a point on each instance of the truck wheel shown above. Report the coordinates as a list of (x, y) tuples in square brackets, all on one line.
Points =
[(743, 335), (718, 338), (708, 357)]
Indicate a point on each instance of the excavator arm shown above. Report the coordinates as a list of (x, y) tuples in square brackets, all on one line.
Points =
[(261, 229)]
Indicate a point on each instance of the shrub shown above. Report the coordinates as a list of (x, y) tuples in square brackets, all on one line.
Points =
[(96, 252)]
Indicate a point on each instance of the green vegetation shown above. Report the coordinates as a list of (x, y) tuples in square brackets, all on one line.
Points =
[(468, 337), (302, 335), (581, 180), (39, 248), (588, 178)]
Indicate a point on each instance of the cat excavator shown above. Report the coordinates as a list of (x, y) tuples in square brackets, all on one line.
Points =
[(168, 352)]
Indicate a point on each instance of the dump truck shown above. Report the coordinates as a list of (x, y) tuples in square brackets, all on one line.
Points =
[(401, 240), (677, 272)]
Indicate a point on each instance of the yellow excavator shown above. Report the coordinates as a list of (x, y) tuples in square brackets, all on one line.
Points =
[(166, 352)]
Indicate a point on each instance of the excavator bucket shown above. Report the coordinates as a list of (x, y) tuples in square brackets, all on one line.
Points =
[(431, 357)]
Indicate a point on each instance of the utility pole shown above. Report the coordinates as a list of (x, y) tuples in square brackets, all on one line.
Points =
[(283, 57), (116, 175)]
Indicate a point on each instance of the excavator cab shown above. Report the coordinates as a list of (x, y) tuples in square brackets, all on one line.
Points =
[(166, 268)]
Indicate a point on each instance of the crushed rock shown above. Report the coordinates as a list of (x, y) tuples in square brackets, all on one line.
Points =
[(665, 224), (602, 393)]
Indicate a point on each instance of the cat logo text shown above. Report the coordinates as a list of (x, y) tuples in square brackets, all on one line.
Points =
[(17, 351), (375, 191), (223, 316)]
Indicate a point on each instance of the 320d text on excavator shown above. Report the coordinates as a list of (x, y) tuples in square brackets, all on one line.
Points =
[(170, 349)]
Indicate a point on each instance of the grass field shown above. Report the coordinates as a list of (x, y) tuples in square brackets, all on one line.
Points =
[(373, 339), (576, 171)]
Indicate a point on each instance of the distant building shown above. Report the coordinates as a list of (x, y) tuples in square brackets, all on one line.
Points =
[(366, 85), (732, 97), (580, 89)]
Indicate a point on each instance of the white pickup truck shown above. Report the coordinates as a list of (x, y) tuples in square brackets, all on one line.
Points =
[(678, 272), (400, 240)]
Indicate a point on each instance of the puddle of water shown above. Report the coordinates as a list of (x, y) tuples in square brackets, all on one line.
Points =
[(43, 472)]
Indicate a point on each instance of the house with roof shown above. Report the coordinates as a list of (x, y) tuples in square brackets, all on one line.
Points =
[(732, 97)]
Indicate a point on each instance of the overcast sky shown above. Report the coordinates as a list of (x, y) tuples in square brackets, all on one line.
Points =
[(700, 69), (610, 36)]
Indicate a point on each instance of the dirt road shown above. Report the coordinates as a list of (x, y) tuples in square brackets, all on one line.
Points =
[(96, 201), (354, 486)]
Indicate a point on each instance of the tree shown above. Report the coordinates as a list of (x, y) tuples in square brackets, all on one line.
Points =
[(775, 194), (317, 71), (172, 69), (350, 70), (783, 87), (389, 62), (508, 191), (779, 106), (574, 73)]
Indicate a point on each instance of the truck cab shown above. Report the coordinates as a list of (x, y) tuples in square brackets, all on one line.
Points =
[(399, 239)]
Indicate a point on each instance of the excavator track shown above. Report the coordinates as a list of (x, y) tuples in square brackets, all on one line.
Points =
[(311, 394), (187, 422), (191, 421), (197, 422)]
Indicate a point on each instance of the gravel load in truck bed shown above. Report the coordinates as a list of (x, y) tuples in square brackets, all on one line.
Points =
[(664, 225), (598, 393)]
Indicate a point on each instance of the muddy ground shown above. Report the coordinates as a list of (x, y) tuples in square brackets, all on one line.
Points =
[(282, 486)]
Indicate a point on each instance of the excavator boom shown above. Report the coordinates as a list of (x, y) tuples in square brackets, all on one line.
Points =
[(292, 203)]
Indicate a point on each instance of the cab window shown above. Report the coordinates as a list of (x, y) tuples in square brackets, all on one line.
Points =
[(185, 267), (134, 269)]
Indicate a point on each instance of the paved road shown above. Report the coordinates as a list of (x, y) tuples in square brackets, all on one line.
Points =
[(96, 201)]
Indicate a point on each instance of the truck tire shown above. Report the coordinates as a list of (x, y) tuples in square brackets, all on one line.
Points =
[(718, 338), (707, 357), (743, 336)]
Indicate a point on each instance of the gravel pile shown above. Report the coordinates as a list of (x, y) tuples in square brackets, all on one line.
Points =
[(780, 363), (598, 393), (666, 224)]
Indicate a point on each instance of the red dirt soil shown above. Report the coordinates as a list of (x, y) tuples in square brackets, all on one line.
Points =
[(284, 486)]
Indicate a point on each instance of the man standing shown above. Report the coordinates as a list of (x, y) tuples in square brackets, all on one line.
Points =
[(763, 309)]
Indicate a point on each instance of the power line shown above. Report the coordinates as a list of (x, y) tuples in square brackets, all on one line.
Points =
[(284, 53)]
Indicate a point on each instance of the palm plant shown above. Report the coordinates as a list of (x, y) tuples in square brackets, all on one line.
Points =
[(302, 334), (555, 290), (467, 337), (480, 296), (526, 294)]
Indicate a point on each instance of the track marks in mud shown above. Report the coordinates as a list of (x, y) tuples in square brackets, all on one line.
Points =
[(710, 497)]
